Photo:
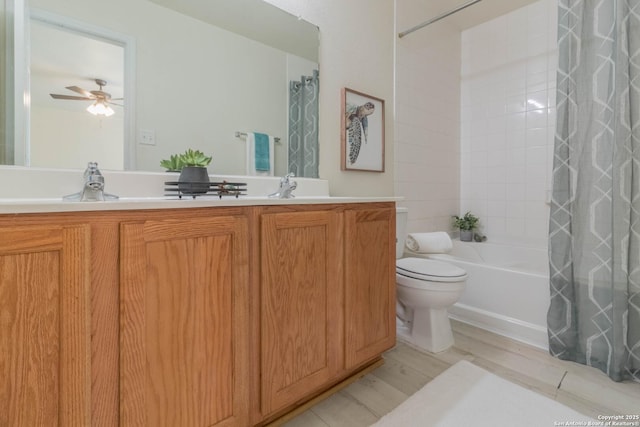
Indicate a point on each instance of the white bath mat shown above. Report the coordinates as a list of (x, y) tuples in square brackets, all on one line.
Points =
[(466, 395)]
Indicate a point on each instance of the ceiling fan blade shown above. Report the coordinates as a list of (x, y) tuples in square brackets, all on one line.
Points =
[(76, 98), (116, 99), (81, 91), (114, 103)]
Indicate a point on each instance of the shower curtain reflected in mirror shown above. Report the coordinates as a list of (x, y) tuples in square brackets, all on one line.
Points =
[(303, 126), (594, 232)]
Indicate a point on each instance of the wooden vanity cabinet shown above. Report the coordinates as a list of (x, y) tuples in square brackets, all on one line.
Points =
[(184, 357), (224, 316), (44, 325), (327, 296), (370, 289), (301, 302)]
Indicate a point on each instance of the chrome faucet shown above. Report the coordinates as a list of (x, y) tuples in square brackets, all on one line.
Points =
[(93, 189), (286, 187)]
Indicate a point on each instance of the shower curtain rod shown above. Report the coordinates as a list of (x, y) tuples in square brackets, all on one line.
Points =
[(437, 18)]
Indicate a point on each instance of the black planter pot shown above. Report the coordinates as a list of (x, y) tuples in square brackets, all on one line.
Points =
[(193, 180)]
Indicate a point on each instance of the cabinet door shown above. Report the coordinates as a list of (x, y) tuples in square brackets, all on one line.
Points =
[(44, 326), (184, 327), (301, 304), (369, 283)]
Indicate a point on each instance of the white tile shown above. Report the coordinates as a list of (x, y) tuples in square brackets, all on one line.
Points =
[(496, 191), (537, 100), (516, 157), (536, 119), (496, 142), (497, 175), (537, 81), (479, 175), (515, 227), (536, 228), (537, 156), (515, 209), (516, 173), (537, 45), (516, 103), (496, 226), (536, 137), (536, 190), (516, 122), (515, 191), (516, 139), (496, 208), (496, 157), (536, 64), (479, 142), (479, 159), (536, 210)]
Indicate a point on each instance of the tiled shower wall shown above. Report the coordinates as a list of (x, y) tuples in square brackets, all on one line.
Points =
[(508, 116), (427, 150)]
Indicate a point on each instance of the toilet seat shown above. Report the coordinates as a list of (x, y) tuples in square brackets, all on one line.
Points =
[(429, 270)]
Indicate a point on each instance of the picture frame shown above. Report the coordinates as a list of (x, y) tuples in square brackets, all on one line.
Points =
[(362, 132)]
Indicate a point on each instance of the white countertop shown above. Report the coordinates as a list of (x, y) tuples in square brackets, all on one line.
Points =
[(11, 206)]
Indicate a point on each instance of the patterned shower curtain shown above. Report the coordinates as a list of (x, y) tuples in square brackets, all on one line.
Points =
[(594, 231), (303, 126)]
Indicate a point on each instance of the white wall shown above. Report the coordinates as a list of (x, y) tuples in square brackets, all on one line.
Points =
[(508, 122), (80, 138), (356, 51), (427, 118)]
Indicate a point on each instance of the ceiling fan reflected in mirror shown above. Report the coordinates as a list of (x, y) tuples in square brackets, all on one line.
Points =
[(101, 99)]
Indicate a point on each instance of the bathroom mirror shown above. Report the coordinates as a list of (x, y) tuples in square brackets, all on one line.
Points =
[(194, 74)]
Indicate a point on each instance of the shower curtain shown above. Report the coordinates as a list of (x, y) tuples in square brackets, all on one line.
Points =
[(594, 231), (303, 126)]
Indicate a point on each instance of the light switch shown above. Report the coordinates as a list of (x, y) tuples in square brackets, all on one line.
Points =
[(147, 137)]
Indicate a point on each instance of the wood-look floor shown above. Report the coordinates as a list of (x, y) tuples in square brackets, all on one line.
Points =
[(406, 370)]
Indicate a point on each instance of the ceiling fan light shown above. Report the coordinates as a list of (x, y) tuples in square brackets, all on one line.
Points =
[(92, 109), (100, 108)]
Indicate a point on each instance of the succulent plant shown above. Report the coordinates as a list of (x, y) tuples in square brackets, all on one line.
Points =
[(194, 158), (174, 164), (189, 158)]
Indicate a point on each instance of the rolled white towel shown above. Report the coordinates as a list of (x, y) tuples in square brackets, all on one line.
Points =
[(437, 242)]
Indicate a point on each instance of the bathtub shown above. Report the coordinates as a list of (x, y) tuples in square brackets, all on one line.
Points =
[(507, 289)]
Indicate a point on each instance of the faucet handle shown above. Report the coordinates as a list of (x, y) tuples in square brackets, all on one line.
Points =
[(92, 169)]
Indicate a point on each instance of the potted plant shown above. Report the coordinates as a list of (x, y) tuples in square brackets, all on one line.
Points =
[(194, 176), (466, 224)]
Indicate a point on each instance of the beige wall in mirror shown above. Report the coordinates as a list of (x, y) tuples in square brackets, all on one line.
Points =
[(195, 84)]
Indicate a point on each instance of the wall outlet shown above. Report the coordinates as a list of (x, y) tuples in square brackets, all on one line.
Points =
[(147, 137)]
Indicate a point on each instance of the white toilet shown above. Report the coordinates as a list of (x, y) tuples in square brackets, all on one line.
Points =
[(425, 289)]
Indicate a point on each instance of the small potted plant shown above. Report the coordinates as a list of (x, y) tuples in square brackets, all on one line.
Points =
[(194, 176), (466, 224)]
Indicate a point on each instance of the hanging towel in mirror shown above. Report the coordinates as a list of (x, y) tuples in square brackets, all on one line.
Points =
[(257, 154), (262, 152)]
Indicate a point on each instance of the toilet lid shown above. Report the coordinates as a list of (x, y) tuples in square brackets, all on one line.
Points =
[(428, 269)]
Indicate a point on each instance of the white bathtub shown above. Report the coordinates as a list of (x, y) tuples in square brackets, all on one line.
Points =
[(507, 289)]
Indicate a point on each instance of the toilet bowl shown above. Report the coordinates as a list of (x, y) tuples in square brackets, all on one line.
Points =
[(425, 290)]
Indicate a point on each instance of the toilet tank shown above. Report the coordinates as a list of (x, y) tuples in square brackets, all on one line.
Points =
[(401, 230)]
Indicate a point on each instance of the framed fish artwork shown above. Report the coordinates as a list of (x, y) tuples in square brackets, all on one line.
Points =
[(362, 135)]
